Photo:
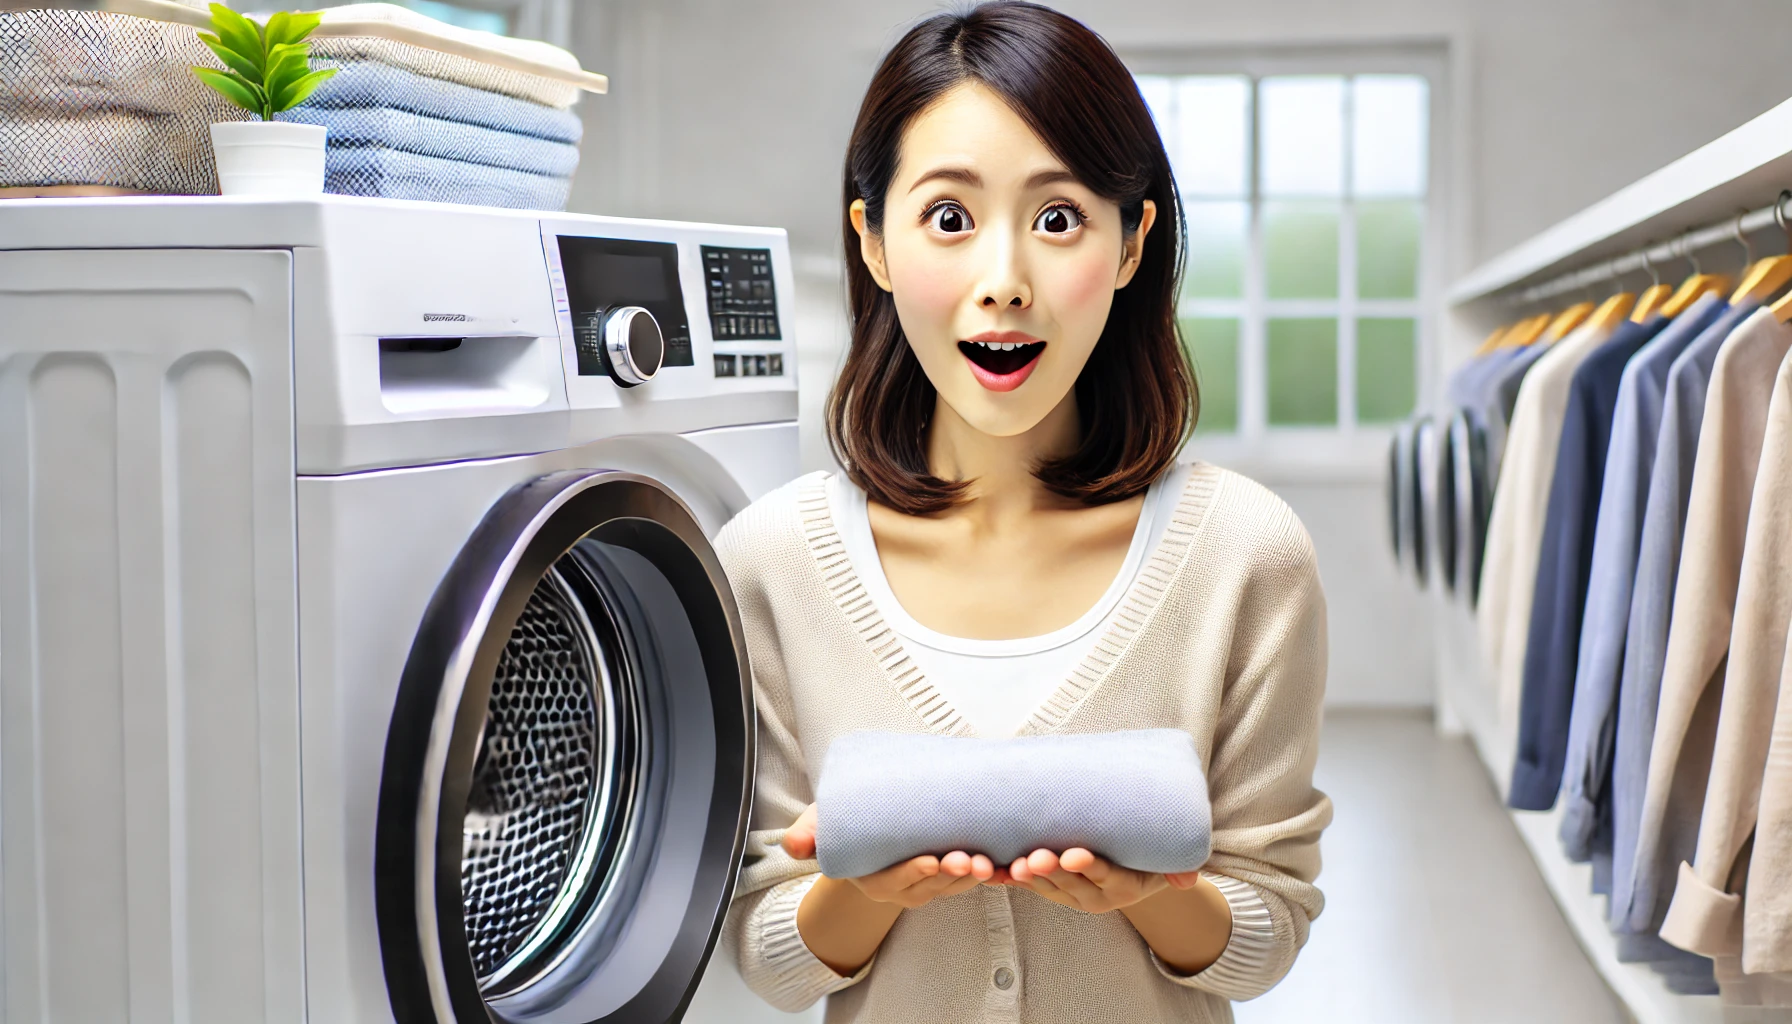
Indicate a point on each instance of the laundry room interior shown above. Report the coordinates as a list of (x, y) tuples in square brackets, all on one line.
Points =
[(1494, 297)]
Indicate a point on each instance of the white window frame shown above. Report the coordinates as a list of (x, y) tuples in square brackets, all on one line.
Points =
[(547, 20), (1349, 449)]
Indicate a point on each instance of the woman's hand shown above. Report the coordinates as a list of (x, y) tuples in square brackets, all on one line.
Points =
[(1081, 880), (913, 883)]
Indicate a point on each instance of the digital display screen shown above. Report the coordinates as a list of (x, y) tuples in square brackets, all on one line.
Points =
[(743, 300), (604, 273)]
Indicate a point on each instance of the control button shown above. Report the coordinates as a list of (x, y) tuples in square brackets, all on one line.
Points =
[(1004, 978), (634, 345), (777, 365), (725, 366)]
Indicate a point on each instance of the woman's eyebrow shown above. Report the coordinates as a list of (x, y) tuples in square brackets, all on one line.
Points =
[(963, 175), (1054, 176)]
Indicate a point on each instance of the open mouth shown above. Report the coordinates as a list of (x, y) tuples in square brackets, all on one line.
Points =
[(1002, 365)]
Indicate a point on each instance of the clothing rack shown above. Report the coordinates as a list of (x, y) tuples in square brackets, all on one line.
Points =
[(1682, 247), (1675, 215)]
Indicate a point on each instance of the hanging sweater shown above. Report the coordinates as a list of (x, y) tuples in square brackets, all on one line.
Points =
[(1222, 634)]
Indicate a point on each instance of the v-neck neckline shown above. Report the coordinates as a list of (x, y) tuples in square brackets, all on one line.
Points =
[(1146, 590)]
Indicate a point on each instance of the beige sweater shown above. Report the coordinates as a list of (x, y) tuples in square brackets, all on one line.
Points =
[(1515, 529), (1221, 634), (1707, 914)]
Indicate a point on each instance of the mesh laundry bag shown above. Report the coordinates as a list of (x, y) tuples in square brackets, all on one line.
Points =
[(103, 99)]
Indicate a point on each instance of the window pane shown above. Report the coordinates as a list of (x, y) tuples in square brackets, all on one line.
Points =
[(1217, 236), (1303, 372), (1303, 136), (1213, 119), (461, 15), (1213, 345), (1300, 250), (1389, 129), (1157, 91), (1387, 372), (1387, 249)]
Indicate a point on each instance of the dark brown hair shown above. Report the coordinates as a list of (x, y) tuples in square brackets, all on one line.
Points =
[(1136, 397)]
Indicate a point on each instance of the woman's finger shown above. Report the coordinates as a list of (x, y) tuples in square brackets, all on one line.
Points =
[(1184, 879), (983, 868), (1086, 893), (901, 876), (1086, 864), (799, 838), (1042, 862), (957, 864)]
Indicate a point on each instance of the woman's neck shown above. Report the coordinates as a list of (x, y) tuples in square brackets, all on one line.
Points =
[(999, 470)]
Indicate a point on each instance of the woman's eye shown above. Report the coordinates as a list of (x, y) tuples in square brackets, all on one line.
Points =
[(949, 219), (1058, 220)]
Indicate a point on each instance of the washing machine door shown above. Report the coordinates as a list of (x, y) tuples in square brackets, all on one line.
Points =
[(568, 769)]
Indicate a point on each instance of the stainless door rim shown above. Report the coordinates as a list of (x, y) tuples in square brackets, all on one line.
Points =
[(452, 660)]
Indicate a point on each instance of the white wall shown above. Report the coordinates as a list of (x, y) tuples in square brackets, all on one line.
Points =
[(739, 110)]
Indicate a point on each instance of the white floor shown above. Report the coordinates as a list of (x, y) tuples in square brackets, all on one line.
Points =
[(1434, 911)]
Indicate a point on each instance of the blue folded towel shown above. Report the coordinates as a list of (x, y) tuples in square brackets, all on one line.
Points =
[(393, 174), (1138, 798), (447, 140), (367, 84)]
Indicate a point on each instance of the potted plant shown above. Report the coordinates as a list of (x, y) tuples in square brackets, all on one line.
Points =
[(269, 70)]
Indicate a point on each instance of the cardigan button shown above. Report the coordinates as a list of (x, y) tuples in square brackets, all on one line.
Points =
[(1004, 978)]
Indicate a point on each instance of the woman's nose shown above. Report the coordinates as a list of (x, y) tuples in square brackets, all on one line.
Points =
[(1006, 285)]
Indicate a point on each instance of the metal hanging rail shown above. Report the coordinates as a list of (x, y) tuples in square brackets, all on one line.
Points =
[(1678, 248)]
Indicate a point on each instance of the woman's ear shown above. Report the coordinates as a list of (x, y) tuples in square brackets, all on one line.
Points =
[(1134, 247), (871, 245)]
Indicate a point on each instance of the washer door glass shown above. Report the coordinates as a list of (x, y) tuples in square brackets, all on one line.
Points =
[(539, 857)]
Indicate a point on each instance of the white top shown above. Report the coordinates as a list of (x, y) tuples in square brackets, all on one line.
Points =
[(997, 684)]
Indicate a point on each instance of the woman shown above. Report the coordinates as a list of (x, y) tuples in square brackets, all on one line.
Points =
[(1012, 548)]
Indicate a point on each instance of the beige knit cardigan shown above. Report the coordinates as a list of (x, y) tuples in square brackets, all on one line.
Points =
[(1222, 633)]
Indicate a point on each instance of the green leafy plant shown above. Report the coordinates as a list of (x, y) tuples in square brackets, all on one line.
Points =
[(269, 65)]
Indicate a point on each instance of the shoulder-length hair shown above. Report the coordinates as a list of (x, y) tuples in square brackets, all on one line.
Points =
[(1136, 398)]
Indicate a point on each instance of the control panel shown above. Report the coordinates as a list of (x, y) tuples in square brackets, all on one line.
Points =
[(606, 274), (743, 300)]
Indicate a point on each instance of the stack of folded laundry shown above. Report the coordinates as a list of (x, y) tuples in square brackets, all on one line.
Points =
[(406, 123), (93, 101)]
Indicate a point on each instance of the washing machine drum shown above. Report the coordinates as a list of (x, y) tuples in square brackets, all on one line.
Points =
[(569, 766)]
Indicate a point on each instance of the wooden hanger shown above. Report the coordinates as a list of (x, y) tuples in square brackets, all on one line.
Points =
[(1763, 279), (1528, 331), (1690, 291), (1782, 310), (1493, 340), (1567, 320), (1649, 303), (1612, 311)]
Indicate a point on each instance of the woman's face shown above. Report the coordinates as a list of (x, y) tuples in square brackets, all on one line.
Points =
[(1002, 265)]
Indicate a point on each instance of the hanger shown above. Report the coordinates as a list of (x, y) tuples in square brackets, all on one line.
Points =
[(1616, 306), (1771, 274), (1494, 340), (1567, 320), (1527, 331), (1693, 287), (1649, 303)]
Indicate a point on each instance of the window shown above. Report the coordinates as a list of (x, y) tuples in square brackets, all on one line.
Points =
[(1306, 203)]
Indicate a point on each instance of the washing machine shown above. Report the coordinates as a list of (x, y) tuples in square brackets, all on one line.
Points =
[(363, 657)]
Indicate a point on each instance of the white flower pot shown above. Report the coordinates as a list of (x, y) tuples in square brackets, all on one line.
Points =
[(269, 158)]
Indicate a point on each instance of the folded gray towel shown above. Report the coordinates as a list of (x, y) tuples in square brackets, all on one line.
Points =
[(1138, 798)]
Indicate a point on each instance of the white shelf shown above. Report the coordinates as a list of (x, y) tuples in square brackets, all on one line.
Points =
[(1637, 986), (1745, 169)]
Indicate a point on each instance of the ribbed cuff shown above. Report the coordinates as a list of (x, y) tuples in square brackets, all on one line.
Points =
[(1703, 919), (1247, 968), (793, 976)]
